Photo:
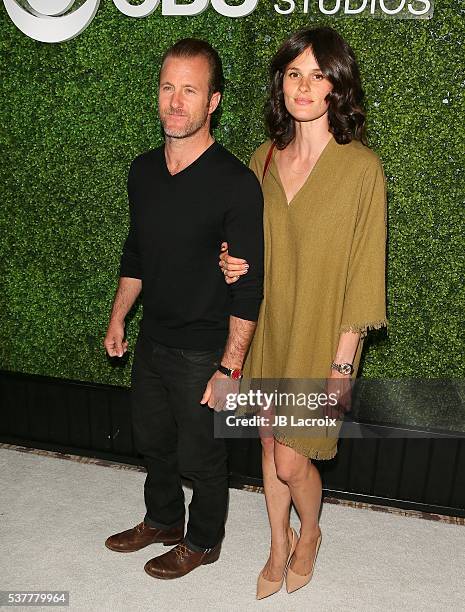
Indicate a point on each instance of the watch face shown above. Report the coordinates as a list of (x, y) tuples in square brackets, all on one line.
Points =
[(346, 368), (236, 374)]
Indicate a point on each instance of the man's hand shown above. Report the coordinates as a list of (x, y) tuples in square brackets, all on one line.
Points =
[(218, 387), (232, 267), (341, 386), (114, 342)]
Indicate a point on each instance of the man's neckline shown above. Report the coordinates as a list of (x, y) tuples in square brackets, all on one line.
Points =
[(192, 165)]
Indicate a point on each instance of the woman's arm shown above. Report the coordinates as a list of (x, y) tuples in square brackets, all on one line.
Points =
[(364, 305), (338, 383), (346, 349)]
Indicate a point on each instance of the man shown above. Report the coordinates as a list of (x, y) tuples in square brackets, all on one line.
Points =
[(186, 198)]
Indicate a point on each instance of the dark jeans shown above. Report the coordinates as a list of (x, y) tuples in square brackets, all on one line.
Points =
[(174, 433)]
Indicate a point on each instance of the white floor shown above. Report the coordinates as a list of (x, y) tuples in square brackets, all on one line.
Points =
[(55, 516)]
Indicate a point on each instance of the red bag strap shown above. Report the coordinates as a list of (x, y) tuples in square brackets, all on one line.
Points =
[(267, 161)]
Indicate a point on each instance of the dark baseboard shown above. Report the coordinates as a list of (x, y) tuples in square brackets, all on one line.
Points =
[(391, 468)]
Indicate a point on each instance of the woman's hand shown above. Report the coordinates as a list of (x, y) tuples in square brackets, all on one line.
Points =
[(232, 267), (341, 386)]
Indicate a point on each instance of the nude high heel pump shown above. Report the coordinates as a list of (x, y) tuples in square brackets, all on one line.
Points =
[(265, 587), (297, 581)]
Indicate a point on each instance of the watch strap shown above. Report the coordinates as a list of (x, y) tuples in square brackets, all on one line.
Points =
[(234, 373), (343, 368)]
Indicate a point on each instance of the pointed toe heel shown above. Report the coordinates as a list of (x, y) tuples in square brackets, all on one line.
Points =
[(265, 587), (297, 581)]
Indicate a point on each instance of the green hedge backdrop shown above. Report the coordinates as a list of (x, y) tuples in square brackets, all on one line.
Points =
[(74, 115)]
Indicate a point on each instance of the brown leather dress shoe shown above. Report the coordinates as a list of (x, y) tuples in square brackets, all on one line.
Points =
[(179, 561), (142, 535)]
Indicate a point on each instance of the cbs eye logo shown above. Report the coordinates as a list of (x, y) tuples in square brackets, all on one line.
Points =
[(45, 20)]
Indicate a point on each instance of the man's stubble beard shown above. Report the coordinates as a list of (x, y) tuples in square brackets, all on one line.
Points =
[(189, 129)]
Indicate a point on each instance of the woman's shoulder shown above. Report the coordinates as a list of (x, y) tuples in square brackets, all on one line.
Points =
[(260, 153), (361, 154), (257, 161)]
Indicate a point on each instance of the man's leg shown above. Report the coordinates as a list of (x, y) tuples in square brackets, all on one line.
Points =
[(156, 439), (202, 458), (155, 436)]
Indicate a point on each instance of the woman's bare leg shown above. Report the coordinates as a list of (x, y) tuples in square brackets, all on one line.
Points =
[(304, 483), (278, 503)]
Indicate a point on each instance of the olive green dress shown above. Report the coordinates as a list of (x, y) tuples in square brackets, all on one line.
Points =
[(324, 271)]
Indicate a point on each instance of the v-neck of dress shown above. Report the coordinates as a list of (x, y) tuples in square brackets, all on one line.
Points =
[(309, 176)]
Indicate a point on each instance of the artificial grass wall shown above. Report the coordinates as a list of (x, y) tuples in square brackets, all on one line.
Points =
[(74, 115)]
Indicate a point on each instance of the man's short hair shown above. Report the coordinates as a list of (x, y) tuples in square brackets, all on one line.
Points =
[(193, 47)]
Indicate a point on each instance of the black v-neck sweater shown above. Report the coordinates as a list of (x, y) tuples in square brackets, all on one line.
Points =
[(177, 224)]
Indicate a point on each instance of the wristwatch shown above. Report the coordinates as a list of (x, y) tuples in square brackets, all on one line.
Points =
[(343, 368), (233, 373)]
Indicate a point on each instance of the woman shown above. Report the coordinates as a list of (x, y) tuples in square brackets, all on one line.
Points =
[(325, 240)]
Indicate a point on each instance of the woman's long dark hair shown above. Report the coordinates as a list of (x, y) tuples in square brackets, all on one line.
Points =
[(337, 62)]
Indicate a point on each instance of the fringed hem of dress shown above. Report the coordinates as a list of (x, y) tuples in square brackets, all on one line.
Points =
[(303, 448), (364, 327)]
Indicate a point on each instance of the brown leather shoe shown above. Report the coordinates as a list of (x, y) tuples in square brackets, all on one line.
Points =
[(179, 561), (142, 535)]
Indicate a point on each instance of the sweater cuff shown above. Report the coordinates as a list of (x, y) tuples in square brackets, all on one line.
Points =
[(246, 309), (130, 269)]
